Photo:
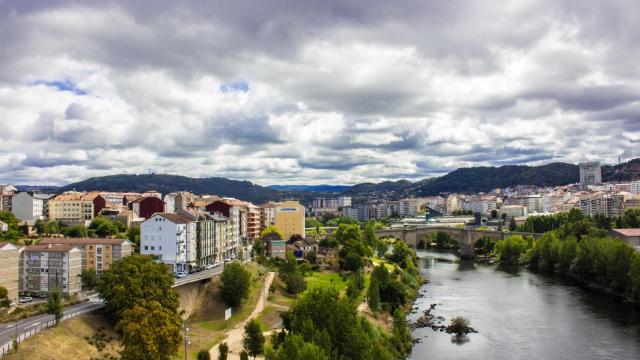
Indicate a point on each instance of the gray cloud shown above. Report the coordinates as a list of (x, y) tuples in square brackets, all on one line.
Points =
[(335, 91)]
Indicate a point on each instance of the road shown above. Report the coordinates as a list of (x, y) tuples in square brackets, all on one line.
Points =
[(197, 276), (235, 335), (9, 330)]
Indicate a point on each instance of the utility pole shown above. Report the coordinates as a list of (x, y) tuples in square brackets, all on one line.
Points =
[(186, 337)]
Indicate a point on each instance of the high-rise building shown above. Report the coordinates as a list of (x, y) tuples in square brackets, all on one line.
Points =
[(590, 174), (290, 219), (49, 267)]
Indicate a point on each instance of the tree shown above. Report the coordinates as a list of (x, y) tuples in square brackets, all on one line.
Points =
[(89, 279), (270, 229), (134, 279), (401, 252), (369, 234), (291, 275), (511, 249), (253, 340), (373, 295), (235, 282), (494, 214), (294, 347), (149, 331), (4, 297), (76, 231), (244, 355), (133, 234), (103, 226), (352, 262), (204, 355), (55, 306), (459, 325), (295, 283), (223, 350), (348, 232), (259, 247), (512, 224), (312, 257)]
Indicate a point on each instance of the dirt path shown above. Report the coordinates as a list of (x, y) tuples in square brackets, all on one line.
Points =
[(234, 336)]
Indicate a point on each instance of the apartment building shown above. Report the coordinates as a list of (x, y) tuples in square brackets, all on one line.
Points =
[(96, 253), (236, 211), (6, 194), (479, 204), (344, 201), (290, 219), (48, 267), (267, 215), (603, 204), (253, 221), (211, 237), (76, 208), (9, 269), (590, 174), (171, 239), (635, 187), (31, 206), (320, 205)]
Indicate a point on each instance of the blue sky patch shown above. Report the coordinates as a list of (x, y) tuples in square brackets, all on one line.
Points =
[(238, 86), (64, 85)]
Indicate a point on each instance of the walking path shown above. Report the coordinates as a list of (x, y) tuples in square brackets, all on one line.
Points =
[(235, 335)]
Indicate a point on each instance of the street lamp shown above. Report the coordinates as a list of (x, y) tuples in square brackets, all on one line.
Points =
[(185, 327)]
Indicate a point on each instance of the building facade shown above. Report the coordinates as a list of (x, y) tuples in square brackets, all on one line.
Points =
[(29, 206), (10, 269), (146, 206), (96, 253), (76, 208), (590, 174), (290, 219), (45, 268), (171, 239)]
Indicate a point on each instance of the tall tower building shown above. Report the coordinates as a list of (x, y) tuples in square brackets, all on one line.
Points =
[(590, 174)]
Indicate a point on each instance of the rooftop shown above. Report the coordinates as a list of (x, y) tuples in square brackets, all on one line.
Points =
[(70, 241), (49, 248), (628, 232)]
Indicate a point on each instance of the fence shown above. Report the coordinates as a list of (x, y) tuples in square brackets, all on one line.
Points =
[(34, 329)]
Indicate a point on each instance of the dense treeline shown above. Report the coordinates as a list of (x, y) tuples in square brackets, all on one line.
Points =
[(579, 247)]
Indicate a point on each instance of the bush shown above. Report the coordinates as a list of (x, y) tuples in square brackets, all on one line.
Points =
[(204, 355)]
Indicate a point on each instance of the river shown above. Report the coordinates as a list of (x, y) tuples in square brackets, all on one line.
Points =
[(520, 315)]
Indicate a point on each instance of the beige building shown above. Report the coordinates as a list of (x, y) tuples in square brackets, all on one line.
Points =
[(97, 253), (290, 219), (48, 267), (76, 208), (9, 269)]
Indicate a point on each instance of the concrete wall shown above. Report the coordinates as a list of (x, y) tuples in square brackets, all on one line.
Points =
[(9, 270)]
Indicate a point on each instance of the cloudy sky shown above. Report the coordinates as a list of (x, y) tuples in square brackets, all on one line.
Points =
[(291, 91)]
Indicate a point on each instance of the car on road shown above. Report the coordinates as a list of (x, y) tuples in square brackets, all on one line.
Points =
[(25, 299), (181, 274)]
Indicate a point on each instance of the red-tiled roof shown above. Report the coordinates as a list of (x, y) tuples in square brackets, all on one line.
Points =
[(49, 248), (70, 241), (628, 232)]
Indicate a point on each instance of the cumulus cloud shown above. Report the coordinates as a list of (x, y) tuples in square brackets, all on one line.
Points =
[(282, 91)]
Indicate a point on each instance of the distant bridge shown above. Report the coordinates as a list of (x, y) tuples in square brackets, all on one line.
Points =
[(466, 237)]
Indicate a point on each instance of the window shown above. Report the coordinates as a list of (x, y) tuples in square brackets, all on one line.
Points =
[(153, 248), (146, 248)]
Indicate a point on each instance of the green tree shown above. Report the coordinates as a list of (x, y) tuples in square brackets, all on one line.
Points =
[(633, 290), (4, 297), (133, 234), (134, 279), (89, 279), (204, 355), (401, 254), (259, 247), (312, 257), (271, 229), (373, 295), (235, 282), (253, 340), (149, 331), (244, 355), (295, 283), (512, 224), (494, 214), (223, 350), (369, 234), (294, 347), (55, 306), (348, 232), (103, 226), (511, 249), (76, 231)]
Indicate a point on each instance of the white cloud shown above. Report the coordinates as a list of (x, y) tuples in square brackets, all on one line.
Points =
[(335, 92)]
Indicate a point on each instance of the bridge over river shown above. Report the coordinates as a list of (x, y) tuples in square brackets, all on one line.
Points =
[(466, 237)]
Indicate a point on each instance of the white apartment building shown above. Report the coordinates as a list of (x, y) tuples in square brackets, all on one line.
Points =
[(410, 206), (635, 187), (170, 203), (324, 205), (482, 205), (452, 203), (344, 201), (171, 239), (29, 206)]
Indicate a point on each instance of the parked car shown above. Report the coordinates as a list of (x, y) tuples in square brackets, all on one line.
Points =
[(25, 299), (181, 274)]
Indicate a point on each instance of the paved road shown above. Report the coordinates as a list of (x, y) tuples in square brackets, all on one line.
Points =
[(201, 275), (9, 330)]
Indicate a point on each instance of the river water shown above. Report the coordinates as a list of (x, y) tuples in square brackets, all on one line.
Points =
[(520, 315)]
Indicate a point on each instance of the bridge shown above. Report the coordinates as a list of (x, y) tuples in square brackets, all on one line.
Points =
[(198, 276), (466, 237)]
